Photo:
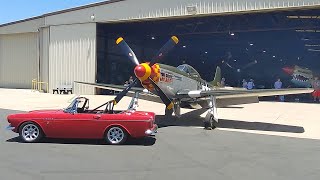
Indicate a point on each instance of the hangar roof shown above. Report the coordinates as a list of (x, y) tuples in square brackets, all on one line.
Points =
[(115, 10), (63, 11)]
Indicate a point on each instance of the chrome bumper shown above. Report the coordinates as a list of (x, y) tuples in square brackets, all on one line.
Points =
[(152, 131), (10, 128)]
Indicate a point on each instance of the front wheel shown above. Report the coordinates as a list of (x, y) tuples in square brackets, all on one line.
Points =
[(168, 112), (116, 135), (30, 132)]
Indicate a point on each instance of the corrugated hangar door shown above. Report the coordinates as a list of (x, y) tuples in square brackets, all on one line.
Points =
[(72, 56), (18, 60)]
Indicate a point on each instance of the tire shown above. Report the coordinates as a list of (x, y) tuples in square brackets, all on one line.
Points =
[(116, 135), (209, 122), (168, 112), (30, 132)]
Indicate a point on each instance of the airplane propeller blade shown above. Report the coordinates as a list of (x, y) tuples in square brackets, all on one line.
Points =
[(164, 50), (130, 54), (162, 95), (124, 92), (127, 50)]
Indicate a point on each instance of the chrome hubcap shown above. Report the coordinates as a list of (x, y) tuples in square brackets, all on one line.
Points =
[(30, 132), (115, 135)]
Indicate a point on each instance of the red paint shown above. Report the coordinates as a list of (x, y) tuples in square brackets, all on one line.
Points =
[(288, 70), (139, 71), (59, 124), (155, 76)]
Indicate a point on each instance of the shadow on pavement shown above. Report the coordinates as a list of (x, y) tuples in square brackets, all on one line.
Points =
[(193, 119), (147, 141)]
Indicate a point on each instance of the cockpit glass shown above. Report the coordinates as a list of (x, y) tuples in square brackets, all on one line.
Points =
[(182, 68), (189, 70)]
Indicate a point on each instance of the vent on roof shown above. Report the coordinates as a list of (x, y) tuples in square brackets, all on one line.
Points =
[(192, 9)]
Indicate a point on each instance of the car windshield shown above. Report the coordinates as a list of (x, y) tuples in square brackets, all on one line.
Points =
[(78, 102), (72, 106)]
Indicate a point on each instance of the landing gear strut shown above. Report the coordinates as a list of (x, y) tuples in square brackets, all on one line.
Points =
[(176, 110), (211, 119), (134, 102)]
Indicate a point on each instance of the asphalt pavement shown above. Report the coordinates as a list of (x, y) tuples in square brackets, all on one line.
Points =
[(177, 152)]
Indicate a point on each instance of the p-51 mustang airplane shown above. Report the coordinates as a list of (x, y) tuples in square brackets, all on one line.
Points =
[(183, 85)]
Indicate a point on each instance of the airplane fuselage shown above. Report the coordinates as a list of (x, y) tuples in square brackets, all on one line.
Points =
[(172, 80)]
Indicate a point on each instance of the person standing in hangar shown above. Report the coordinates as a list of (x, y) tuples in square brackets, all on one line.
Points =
[(250, 84), (278, 85)]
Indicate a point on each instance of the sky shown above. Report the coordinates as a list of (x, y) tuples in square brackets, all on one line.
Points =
[(13, 10)]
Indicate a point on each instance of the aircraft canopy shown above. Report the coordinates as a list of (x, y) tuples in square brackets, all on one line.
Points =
[(189, 70)]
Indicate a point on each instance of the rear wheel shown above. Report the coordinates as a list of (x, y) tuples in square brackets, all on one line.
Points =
[(30, 132), (116, 135)]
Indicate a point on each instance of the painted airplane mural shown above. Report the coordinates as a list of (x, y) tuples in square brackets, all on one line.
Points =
[(301, 76)]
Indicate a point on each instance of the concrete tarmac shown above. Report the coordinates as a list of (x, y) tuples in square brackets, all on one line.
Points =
[(180, 150)]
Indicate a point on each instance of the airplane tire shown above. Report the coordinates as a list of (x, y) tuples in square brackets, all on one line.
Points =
[(209, 122), (168, 112), (207, 125)]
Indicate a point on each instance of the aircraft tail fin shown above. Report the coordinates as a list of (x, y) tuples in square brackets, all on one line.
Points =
[(217, 77)]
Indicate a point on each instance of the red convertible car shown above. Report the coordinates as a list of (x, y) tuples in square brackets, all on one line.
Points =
[(77, 121)]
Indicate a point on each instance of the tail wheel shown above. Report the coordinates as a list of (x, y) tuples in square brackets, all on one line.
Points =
[(116, 135), (30, 132)]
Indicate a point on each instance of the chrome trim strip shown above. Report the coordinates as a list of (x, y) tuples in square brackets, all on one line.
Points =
[(10, 128), (129, 120), (152, 132)]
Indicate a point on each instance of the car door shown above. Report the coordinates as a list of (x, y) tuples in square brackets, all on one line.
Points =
[(74, 125)]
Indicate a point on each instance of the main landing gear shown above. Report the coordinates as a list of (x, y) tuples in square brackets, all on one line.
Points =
[(176, 110), (211, 119), (134, 102)]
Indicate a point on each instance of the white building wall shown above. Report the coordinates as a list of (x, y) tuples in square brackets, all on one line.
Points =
[(72, 56), (44, 54), (18, 60)]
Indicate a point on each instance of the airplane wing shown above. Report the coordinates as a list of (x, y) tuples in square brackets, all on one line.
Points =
[(235, 96), (110, 86), (142, 94), (223, 93)]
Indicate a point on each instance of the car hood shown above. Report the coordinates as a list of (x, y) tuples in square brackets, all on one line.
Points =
[(140, 113)]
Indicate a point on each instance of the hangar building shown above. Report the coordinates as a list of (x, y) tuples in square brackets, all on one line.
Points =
[(247, 38)]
